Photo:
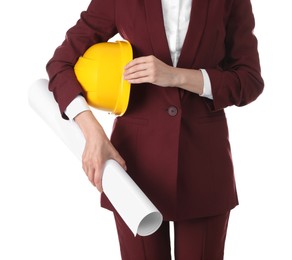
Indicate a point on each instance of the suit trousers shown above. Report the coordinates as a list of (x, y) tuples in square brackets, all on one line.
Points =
[(195, 239)]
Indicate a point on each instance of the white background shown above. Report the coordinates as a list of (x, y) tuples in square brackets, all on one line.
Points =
[(48, 209)]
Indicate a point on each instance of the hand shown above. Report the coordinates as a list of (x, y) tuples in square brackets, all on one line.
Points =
[(98, 149), (151, 70)]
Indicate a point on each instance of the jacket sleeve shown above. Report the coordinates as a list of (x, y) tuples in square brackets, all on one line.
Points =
[(96, 24), (237, 80)]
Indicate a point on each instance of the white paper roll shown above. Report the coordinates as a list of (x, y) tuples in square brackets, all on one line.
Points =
[(138, 212), (43, 103), (131, 203)]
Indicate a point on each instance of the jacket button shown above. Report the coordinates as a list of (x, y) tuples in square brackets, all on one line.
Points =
[(172, 111)]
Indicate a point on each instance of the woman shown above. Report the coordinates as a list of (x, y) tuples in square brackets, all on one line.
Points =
[(191, 60)]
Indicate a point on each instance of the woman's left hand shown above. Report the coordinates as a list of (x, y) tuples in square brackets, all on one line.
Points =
[(151, 70)]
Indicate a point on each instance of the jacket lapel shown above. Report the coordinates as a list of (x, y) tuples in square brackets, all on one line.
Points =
[(156, 30), (194, 34)]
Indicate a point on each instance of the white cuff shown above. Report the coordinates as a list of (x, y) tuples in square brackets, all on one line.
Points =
[(76, 106), (207, 89)]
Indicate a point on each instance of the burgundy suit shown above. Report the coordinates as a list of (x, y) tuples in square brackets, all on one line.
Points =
[(175, 143)]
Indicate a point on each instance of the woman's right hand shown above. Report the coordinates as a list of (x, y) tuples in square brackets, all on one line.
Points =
[(98, 148)]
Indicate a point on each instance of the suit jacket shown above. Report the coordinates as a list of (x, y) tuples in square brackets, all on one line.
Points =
[(175, 143)]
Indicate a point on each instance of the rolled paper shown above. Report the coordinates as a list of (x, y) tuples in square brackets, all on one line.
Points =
[(43, 103), (134, 207), (137, 211)]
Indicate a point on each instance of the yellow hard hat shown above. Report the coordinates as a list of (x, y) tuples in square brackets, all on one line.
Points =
[(100, 73)]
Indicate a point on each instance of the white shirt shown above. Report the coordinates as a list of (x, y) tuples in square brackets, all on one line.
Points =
[(176, 16)]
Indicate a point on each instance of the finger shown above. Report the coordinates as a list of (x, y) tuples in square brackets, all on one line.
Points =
[(135, 62), (85, 167), (90, 176), (138, 77), (117, 157), (138, 70), (98, 178), (139, 80)]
